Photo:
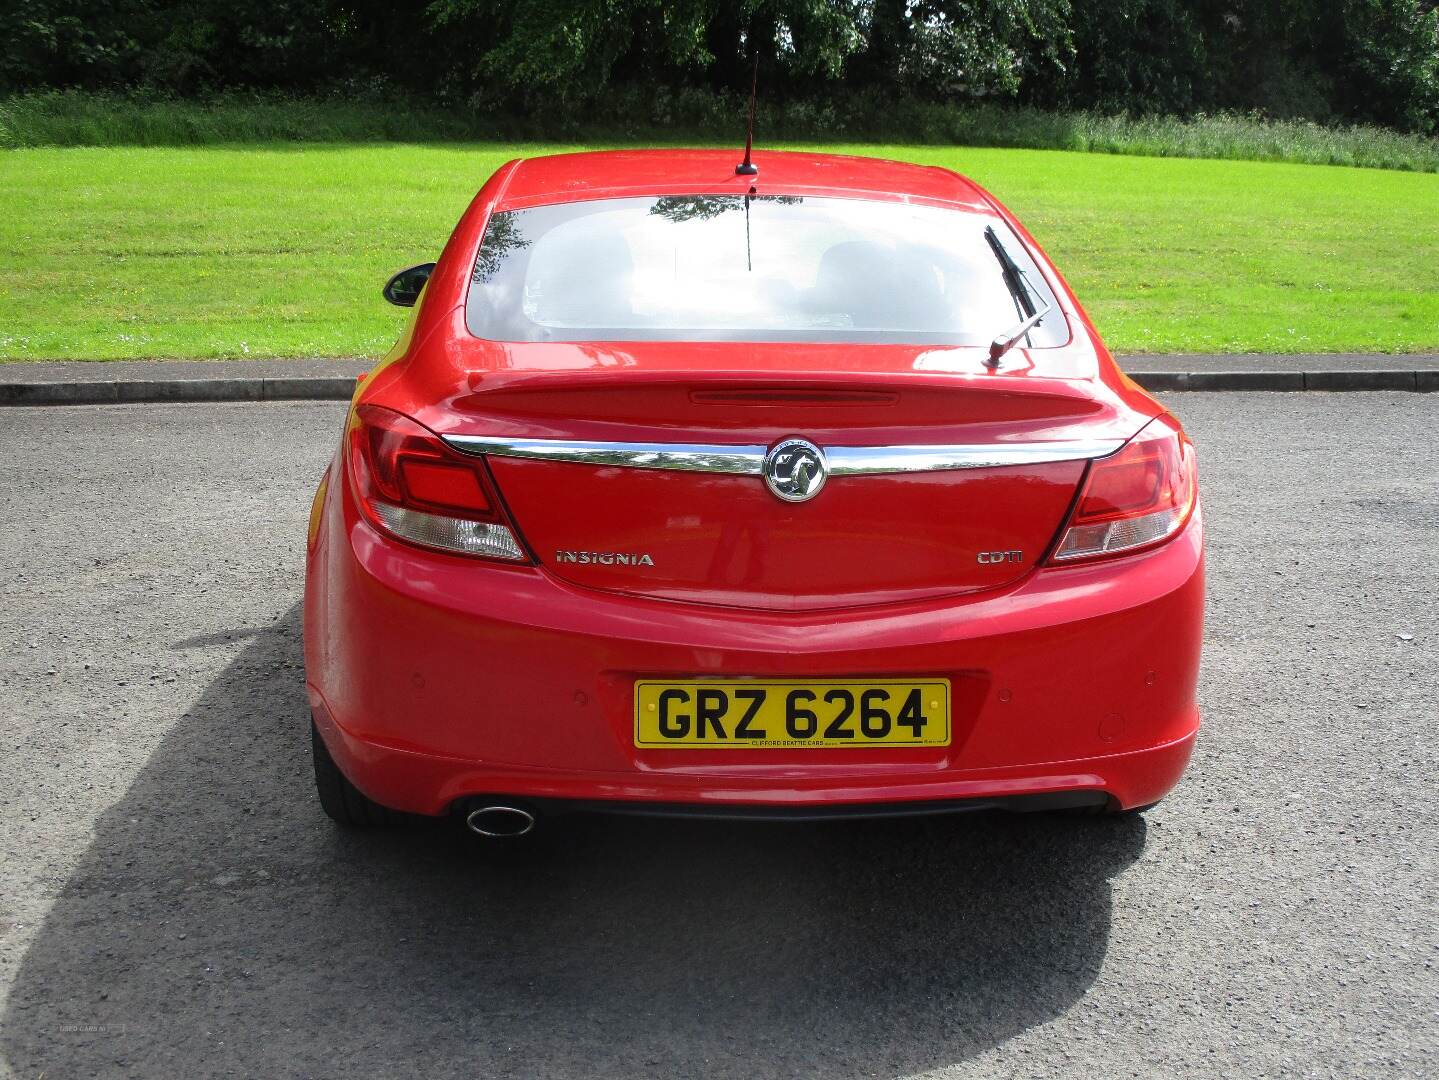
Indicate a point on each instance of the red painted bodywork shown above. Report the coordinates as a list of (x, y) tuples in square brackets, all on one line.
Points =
[(435, 677)]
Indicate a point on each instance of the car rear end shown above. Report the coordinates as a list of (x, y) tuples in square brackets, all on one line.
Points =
[(770, 541)]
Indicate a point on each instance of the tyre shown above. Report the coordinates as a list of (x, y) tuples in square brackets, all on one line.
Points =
[(339, 798)]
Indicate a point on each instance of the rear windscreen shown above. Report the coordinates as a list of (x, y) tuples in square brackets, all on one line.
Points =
[(752, 268)]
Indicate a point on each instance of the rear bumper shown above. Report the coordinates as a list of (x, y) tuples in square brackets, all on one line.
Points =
[(425, 784), (435, 678)]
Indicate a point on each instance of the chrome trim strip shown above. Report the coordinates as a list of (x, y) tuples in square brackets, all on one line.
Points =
[(682, 457), (865, 460), (749, 460)]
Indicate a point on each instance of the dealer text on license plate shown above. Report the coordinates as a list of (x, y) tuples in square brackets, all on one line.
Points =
[(739, 714)]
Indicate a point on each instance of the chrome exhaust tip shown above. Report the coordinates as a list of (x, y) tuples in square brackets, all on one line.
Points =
[(500, 822)]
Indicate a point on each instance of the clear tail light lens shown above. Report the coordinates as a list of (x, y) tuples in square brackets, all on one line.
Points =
[(1138, 497), (410, 484)]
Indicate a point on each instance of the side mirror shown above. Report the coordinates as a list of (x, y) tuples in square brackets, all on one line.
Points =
[(404, 288)]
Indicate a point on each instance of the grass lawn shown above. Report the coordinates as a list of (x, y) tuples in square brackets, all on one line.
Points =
[(280, 250)]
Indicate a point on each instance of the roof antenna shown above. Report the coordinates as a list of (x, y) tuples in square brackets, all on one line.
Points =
[(748, 167)]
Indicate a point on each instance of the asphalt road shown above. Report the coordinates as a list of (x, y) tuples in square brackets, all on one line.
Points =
[(172, 903)]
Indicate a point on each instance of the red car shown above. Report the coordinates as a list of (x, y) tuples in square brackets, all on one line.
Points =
[(810, 492)]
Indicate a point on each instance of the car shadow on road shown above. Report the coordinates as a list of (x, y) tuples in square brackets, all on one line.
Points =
[(219, 923)]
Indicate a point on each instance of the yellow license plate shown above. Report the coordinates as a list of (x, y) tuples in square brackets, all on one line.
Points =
[(772, 714)]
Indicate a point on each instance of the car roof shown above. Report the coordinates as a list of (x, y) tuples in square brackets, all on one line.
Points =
[(609, 174)]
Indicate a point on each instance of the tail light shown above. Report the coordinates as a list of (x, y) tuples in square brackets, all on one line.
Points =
[(410, 484), (1136, 498)]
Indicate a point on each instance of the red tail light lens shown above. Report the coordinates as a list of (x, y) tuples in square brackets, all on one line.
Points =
[(410, 484), (1136, 498)]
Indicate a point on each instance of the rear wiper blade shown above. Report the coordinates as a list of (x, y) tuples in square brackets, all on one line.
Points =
[(1023, 300)]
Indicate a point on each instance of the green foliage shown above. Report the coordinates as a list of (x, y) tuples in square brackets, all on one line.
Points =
[(69, 118), (569, 48), (1393, 62), (975, 49), (1373, 61), (1132, 51)]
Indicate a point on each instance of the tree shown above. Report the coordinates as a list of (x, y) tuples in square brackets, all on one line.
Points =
[(1373, 60)]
